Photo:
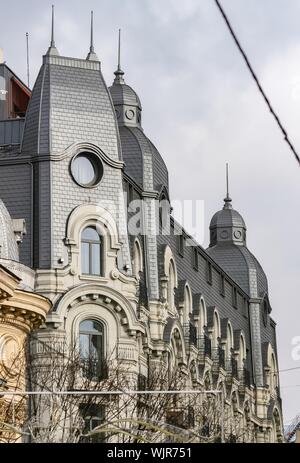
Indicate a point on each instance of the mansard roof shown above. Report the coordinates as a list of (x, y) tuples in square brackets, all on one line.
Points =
[(70, 103), (242, 266), (135, 147)]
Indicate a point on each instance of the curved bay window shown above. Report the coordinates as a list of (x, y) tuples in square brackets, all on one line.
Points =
[(91, 344), (91, 252)]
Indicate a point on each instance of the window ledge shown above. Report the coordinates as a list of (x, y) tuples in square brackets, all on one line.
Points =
[(93, 278)]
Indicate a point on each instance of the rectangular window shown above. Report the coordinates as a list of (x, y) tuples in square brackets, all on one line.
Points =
[(234, 297), (195, 259), (93, 416), (130, 194), (222, 285), (180, 244), (209, 273)]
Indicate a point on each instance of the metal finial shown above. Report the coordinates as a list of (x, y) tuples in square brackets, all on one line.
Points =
[(92, 33), (119, 51), (227, 183), (52, 50), (52, 43), (119, 73), (27, 58), (92, 56), (227, 200)]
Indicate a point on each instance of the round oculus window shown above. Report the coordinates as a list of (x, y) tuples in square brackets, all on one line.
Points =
[(87, 169), (129, 114), (237, 234)]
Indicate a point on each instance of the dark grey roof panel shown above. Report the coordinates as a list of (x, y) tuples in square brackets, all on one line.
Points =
[(11, 131), (124, 94), (160, 171), (227, 218), (132, 155), (237, 261), (135, 144), (70, 103)]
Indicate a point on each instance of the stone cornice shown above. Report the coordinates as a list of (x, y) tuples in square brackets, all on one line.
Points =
[(8, 283), (24, 309)]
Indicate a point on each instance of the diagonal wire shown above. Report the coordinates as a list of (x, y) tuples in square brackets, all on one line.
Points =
[(285, 135)]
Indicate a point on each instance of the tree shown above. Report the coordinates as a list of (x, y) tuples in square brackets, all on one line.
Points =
[(79, 402)]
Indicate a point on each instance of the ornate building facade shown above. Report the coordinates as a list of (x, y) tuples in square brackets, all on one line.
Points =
[(73, 167)]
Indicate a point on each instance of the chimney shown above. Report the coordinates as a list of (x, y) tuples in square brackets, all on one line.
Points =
[(1, 56)]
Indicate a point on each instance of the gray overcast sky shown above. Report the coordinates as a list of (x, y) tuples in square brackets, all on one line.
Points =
[(201, 109)]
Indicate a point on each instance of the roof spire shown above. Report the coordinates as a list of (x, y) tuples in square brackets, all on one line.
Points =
[(52, 43), (92, 55), (227, 200), (119, 73), (52, 50), (92, 32), (119, 51)]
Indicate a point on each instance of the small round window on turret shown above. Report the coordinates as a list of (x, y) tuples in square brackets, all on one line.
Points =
[(87, 169)]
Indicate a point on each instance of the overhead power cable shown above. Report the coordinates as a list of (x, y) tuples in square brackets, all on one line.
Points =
[(285, 135), (289, 369)]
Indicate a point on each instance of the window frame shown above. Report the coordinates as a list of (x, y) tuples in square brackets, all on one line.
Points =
[(100, 367), (95, 413), (234, 297), (209, 278), (195, 259), (222, 285), (96, 164), (180, 244), (90, 243)]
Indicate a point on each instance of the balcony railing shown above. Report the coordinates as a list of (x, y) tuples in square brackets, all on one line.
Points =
[(181, 417), (190, 333), (204, 346), (244, 377), (231, 367), (95, 370), (218, 356), (141, 382), (234, 368)]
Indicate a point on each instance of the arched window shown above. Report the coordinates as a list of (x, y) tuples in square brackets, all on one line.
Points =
[(216, 330), (242, 353), (91, 252), (171, 285), (273, 377), (92, 348), (187, 310), (137, 263), (202, 321), (229, 341)]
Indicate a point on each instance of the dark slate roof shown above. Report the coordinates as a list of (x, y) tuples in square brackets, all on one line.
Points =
[(124, 94), (134, 144), (238, 262), (70, 103), (227, 218), (132, 156)]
